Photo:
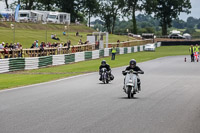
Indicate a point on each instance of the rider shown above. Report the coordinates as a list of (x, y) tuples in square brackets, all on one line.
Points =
[(132, 66), (104, 65)]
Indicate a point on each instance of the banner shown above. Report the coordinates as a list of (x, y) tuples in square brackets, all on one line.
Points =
[(16, 12)]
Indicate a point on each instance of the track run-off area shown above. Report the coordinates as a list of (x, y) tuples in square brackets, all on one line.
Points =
[(168, 103)]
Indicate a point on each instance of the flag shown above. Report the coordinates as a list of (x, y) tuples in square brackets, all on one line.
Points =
[(16, 12)]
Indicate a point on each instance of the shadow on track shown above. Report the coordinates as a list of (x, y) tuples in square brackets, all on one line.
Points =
[(128, 98)]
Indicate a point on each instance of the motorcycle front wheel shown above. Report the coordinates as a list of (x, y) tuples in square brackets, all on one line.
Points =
[(129, 91)]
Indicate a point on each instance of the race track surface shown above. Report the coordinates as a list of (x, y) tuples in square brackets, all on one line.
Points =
[(168, 103)]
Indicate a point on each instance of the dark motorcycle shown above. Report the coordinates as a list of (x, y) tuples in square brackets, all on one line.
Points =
[(105, 76)]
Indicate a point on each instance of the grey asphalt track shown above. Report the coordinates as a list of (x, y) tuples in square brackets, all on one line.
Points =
[(168, 103)]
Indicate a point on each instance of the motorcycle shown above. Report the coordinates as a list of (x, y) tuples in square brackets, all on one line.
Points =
[(105, 76), (130, 83)]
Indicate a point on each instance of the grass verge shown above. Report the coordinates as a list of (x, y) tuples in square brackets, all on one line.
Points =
[(22, 78), (27, 33)]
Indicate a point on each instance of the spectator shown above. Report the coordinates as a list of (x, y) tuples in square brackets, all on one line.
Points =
[(42, 47), (11, 46), (36, 44), (2, 45), (86, 42), (54, 37), (5, 53), (114, 51), (191, 50), (77, 34), (80, 42), (68, 44), (17, 46), (118, 42), (14, 46), (56, 44), (64, 33), (6, 46), (61, 45), (33, 45)]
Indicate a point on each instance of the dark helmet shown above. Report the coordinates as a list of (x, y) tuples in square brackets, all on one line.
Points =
[(132, 62), (103, 62)]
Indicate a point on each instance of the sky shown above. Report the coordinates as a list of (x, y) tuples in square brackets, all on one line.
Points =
[(195, 11)]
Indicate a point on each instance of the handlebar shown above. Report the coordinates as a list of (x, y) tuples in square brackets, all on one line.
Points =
[(131, 71)]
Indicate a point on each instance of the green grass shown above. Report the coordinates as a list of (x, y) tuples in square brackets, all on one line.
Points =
[(22, 78), (27, 33)]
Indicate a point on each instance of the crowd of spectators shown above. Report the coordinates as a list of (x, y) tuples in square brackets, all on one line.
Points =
[(50, 45), (8, 48)]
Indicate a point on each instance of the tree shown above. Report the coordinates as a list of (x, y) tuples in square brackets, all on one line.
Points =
[(167, 10), (192, 20), (131, 6), (198, 25), (109, 11), (190, 30), (90, 7), (179, 24), (71, 6), (7, 6), (47, 4), (27, 4)]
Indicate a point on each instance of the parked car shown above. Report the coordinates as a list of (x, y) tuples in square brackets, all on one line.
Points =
[(150, 47), (176, 36)]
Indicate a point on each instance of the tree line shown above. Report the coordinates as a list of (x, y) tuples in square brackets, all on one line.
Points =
[(111, 10)]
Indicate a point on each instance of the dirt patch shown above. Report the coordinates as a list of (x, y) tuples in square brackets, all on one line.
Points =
[(4, 25)]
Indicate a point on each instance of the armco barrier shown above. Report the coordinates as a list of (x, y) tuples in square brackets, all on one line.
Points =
[(132, 49), (4, 65), (95, 54), (129, 49), (45, 61), (69, 58), (138, 48), (125, 50), (121, 50), (101, 53), (106, 52), (16, 64), (79, 56), (31, 63), (58, 60), (141, 48), (88, 55), (13, 64)]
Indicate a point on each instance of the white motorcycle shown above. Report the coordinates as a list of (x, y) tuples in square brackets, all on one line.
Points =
[(130, 83)]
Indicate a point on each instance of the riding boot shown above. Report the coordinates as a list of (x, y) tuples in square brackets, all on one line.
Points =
[(124, 89), (139, 87), (100, 78)]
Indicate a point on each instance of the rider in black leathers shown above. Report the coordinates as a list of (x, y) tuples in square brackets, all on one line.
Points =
[(105, 65), (132, 66)]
